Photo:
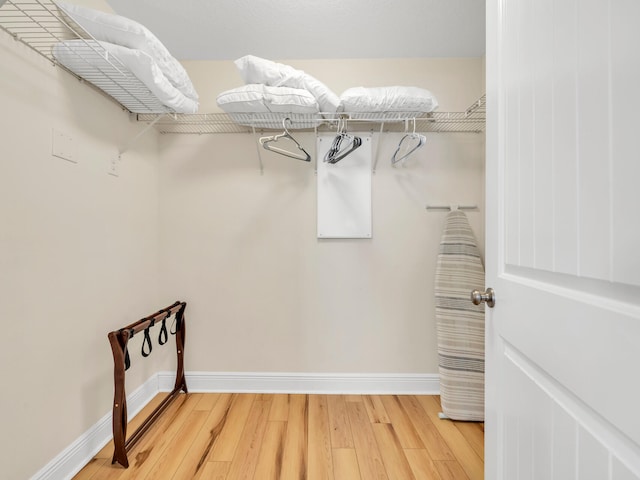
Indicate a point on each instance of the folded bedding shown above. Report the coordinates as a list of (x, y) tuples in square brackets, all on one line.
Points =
[(115, 69), (263, 106), (256, 70), (259, 98), (396, 100), (125, 32)]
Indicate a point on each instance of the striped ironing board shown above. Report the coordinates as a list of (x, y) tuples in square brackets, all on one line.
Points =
[(460, 323)]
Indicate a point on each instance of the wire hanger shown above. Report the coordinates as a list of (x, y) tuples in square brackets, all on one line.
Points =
[(267, 142), (405, 147), (343, 144)]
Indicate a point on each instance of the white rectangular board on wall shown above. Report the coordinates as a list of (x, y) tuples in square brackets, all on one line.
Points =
[(344, 192)]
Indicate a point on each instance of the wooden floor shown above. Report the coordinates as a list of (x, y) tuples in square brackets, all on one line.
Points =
[(262, 437)]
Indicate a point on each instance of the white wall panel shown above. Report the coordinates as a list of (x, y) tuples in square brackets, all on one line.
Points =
[(564, 432), (551, 434), (593, 139), (510, 423), (567, 359), (512, 144), (527, 133), (592, 457), (526, 402), (542, 434), (543, 127), (625, 77), (564, 146), (621, 471), (344, 191), (563, 131)]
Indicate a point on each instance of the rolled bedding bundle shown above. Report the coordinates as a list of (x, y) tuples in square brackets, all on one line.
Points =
[(126, 74), (113, 31)]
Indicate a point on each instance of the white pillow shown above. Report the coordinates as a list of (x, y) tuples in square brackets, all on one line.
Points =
[(388, 99), (258, 98), (87, 59), (128, 33), (259, 70), (327, 100)]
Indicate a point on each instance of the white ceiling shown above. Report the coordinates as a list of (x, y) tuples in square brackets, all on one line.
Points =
[(312, 29)]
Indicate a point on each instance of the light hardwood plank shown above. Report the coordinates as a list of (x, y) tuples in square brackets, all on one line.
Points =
[(395, 463), (108, 472), (215, 470), (270, 458), (472, 464), (353, 398), (152, 446), (225, 447), (207, 402), (184, 442), (339, 422), (375, 409), (279, 408), (91, 468), (421, 464), (402, 424), (198, 455), (294, 456), (367, 452), (176, 450), (429, 434), (245, 459), (345, 464), (473, 432), (320, 466), (450, 470)]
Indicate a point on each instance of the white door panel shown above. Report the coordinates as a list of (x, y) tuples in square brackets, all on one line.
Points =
[(587, 343), (563, 169)]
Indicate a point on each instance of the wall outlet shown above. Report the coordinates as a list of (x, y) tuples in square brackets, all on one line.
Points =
[(62, 146)]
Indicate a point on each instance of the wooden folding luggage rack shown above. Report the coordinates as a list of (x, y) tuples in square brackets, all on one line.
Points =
[(119, 339)]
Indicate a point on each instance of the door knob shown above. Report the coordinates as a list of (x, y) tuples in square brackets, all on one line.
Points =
[(489, 297)]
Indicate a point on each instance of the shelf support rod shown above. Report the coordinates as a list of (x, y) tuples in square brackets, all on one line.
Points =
[(128, 145), (375, 162), (258, 150), (452, 207), (315, 160)]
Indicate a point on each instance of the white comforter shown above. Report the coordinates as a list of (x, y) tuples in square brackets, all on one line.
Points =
[(125, 74)]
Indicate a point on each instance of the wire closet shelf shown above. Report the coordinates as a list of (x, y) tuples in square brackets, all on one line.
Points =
[(41, 25), (471, 120)]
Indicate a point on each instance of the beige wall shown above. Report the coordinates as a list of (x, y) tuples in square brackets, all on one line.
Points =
[(78, 256), (80, 250), (264, 294)]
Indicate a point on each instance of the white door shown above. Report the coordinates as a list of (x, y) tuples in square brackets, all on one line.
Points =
[(563, 240)]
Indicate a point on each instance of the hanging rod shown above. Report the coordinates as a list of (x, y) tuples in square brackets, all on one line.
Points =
[(452, 207)]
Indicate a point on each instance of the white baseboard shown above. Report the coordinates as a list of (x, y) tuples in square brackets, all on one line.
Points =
[(322, 383), (70, 461)]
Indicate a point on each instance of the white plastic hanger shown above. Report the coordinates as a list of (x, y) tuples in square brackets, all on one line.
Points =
[(408, 144), (267, 144)]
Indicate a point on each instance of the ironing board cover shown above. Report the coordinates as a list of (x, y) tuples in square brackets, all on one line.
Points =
[(460, 323)]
